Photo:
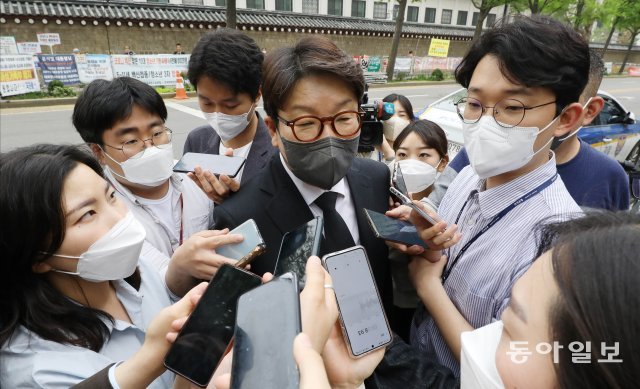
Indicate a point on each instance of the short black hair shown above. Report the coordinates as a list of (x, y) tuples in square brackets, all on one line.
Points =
[(105, 103), (596, 72), (431, 134), (230, 57), (313, 55), (534, 51)]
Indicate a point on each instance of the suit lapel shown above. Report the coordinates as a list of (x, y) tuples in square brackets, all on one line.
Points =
[(287, 209), (259, 152)]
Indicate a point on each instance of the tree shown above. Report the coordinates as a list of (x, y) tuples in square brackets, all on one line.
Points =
[(484, 6), (630, 22), (396, 39), (612, 10), (231, 13)]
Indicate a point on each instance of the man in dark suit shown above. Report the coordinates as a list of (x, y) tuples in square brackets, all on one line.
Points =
[(311, 93), (225, 68)]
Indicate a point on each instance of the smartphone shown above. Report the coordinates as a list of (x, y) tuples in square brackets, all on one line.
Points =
[(399, 181), (250, 248), (297, 246), (205, 337), (268, 320), (394, 230), (364, 323), (217, 164), (407, 201)]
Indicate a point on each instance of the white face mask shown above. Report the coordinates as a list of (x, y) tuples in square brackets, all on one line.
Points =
[(114, 256), (228, 126), (478, 358), (418, 175), (393, 127), (494, 149), (151, 169)]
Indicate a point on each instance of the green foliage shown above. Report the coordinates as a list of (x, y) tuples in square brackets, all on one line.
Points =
[(62, 91), (56, 92), (54, 84), (436, 75)]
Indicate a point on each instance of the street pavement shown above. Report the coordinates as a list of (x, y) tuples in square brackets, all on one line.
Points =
[(26, 126)]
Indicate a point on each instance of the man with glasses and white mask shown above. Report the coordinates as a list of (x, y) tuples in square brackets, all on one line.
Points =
[(593, 179), (523, 80), (123, 121), (311, 95)]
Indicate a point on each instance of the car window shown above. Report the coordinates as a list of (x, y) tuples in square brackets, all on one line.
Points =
[(447, 104), (611, 113)]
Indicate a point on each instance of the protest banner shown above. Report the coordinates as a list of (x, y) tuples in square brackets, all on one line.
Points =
[(59, 67), (49, 39), (155, 70), (30, 48), (94, 67), (374, 64), (17, 75), (8, 45), (403, 64), (438, 47)]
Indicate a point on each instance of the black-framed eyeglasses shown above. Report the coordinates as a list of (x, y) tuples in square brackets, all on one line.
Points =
[(308, 128), (507, 113), (135, 147)]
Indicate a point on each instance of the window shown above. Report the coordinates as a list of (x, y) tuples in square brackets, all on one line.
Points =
[(491, 19), (310, 6), (334, 7), (430, 15), (221, 3), (446, 16), (192, 2), (379, 10), (358, 8), (412, 14), (474, 18), (283, 5), (255, 4), (395, 11), (462, 18)]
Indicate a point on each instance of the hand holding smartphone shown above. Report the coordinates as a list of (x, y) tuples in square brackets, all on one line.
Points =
[(249, 249), (205, 337), (362, 317), (393, 230), (217, 164), (297, 246)]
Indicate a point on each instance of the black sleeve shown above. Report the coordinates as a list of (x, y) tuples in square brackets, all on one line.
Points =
[(222, 219), (404, 366), (100, 380)]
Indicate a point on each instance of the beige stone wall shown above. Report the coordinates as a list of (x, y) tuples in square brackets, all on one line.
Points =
[(151, 40)]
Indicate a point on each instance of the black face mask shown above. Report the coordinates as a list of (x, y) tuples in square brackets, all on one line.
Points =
[(321, 163)]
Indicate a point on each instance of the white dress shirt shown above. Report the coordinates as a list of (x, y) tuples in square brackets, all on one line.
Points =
[(344, 202), (28, 361)]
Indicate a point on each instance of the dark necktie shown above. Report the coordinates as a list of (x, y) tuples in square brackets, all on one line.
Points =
[(336, 233)]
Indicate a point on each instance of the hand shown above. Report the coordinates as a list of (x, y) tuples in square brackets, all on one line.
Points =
[(438, 236), (343, 370), (427, 272), (196, 259), (217, 189), (310, 364), (403, 212), (318, 307)]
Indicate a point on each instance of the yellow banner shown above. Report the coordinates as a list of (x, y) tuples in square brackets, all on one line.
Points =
[(16, 75), (439, 47)]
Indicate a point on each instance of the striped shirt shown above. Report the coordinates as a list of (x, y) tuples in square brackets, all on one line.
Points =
[(480, 282)]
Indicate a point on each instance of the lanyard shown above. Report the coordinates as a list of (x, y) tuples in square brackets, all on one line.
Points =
[(494, 220)]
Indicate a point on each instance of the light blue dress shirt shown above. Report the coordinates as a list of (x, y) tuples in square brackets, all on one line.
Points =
[(28, 361)]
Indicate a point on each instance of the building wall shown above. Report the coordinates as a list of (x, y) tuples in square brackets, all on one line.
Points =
[(151, 40)]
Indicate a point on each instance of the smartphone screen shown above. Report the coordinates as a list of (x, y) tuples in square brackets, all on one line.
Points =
[(217, 164), (205, 336), (393, 230), (252, 241), (297, 246), (268, 320), (363, 319)]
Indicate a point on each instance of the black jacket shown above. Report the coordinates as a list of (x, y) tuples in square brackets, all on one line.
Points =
[(273, 201), (205, 140)]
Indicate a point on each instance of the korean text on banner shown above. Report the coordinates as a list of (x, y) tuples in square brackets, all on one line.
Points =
[(94, 67), (59, 67), (8, 45), (374, 64), (403, 64), (17, 75), (155, 70), (438, 47), (49, 39), (29, 48)]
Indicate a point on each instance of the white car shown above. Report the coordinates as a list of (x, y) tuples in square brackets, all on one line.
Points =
[(615, 131)]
